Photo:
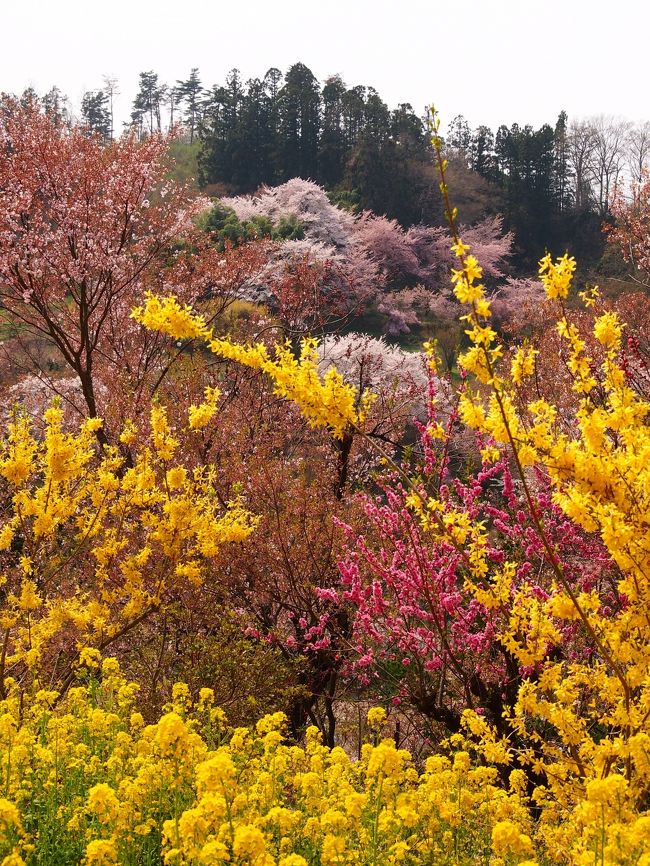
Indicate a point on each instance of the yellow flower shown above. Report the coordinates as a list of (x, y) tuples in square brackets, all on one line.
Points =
[(6, 536), (13, 859), (459, 249), (103, 802), (608, 330), (110, 667), (90, 657), (608, 790), (129, 433), (507, 838), (557, 276), (215, 774), (214, 853), (249, 842), (376, 717), (333, 849), (271, 722), (101, 852), (523, 364), (9, 815), (169, 317), (29, 598), (386, 760), (176, 477), (561, 606), (171, 734)]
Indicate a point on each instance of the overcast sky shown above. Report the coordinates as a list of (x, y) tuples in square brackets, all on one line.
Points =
[(494, 61)]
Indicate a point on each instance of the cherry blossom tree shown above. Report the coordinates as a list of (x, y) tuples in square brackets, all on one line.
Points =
[(82, 225), (372, 258), (85, 229), (322, 220), (631, 230)]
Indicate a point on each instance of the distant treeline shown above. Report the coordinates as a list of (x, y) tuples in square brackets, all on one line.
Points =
[(553, 185)]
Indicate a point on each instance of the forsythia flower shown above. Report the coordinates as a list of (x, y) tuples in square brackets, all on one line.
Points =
[(523, 364), (324, 402), (169, 317), (557, 276), (200, 416), (607, 330)]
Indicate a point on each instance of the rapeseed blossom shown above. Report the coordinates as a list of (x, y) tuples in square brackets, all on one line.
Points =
[(125, 792)]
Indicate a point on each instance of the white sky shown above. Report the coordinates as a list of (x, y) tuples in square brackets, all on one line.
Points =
[(495, 61)]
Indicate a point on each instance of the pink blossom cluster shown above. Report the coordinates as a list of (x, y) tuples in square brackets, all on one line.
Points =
[(372, 257)]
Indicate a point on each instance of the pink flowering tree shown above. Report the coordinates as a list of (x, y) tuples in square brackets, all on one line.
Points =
[(370, 259), (85, 228), (417, 634), (631, 230), (322, 221)]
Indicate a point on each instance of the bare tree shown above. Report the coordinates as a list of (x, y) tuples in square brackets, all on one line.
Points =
[(581, 145), (111, 90), (608, 158), (638, 151)]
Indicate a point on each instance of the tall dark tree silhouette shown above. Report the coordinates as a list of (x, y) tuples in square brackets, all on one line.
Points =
[(190, 93), (299, 103), (96, 114), (333, 148), (146, 114)]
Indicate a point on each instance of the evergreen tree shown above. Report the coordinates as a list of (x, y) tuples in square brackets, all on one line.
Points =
[(254, 161), (562, 171), (95, 113), (525, 161), (389, 166), (368, 167), (299, 103), (146, 113), (190, 92), (56, 105), (333, 150), (353, 107), (481, 152), (111, 90), (272, 85), (459, 138), (408, 132)]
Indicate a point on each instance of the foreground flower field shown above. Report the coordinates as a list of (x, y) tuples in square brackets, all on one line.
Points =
[(90, 782)]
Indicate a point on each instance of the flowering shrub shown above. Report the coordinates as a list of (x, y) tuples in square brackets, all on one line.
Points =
[(91, 546), (325, 401)]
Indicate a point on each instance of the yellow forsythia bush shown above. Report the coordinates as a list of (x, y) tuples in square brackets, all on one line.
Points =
[(92, 544)]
